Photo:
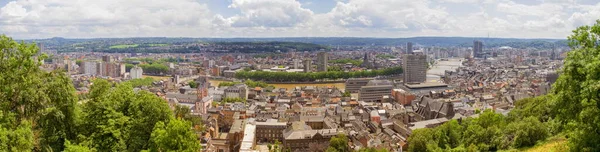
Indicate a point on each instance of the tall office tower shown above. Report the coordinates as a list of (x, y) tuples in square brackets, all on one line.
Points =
[(477, 49), (297, 63), (307, 65), (107, 58), (88, 68), (409, 48), (322, 61), (415, 68)]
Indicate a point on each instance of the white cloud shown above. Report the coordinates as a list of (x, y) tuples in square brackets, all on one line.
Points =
[(413, 15), (460, 1), (282, 18), (106, 18), (269, 13)]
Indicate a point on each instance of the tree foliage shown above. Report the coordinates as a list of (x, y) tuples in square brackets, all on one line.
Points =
[(577, 89), (140, 82), (313, 76), (40, 111), (338, 143), (174, 136), (489, 132)]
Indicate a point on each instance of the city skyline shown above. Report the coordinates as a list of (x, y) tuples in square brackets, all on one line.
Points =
[(32, 19)]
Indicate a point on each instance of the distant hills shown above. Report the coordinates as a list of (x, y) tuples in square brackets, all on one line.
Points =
[(66, 44), (419, 41)]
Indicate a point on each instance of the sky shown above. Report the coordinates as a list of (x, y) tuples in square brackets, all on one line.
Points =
[(32, 19)]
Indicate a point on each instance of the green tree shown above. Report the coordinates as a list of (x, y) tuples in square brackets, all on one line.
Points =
[(448, 135), (419, 139), (140, 82), (193, 84), (76, 148), (176, 135), (57, 122), (145, 111), (577, 101), (339, 143)]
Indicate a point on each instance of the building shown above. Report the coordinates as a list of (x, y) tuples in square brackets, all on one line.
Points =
[(375, 90), (307, 65), (107, 58), (136, 72), (229, 73), (428, 108), (215, 71), (270, 131), (203, 100), (88, 68), (249, 139), (297, 63), (110, 69), (237, 91), (478, 49), (415, 68), (367, 62), (409, 48), (353, 84), (322, 61), (403, 97), (299, 136)]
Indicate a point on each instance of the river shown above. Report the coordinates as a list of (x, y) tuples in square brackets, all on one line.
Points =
[(339, 85)]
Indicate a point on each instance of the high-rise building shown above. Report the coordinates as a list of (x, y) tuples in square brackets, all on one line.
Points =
[(136, 72), (110, 69), (297, 63), (322, 61), (415, 68), (88, 68), (477, 49), (107, 58), (409, 48), (307, 65)]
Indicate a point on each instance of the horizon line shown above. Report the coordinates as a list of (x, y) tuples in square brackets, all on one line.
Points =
[(83, 38)]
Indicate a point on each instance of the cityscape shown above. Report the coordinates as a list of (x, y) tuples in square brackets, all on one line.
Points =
[(307, 86)]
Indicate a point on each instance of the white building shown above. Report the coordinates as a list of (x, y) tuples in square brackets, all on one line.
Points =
[(297, 63), (136, 72)]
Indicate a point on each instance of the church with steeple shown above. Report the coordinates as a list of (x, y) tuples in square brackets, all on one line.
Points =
[(204, 100)]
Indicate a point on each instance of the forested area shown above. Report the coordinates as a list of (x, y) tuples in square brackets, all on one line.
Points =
[(40, 111), (571, 110), (313, 76)]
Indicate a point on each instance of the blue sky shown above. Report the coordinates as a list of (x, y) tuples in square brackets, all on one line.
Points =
[(295, 18)]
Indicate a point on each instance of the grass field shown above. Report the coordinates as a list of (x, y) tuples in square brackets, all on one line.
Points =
[(123, 46), (553, 144)]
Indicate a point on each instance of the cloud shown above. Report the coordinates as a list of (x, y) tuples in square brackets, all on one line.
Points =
[(402, 15), (460, 1), (106, 18), (284, 18), (269, 13)]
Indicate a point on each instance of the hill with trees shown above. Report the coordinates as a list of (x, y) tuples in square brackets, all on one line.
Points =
[(40, 111)]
